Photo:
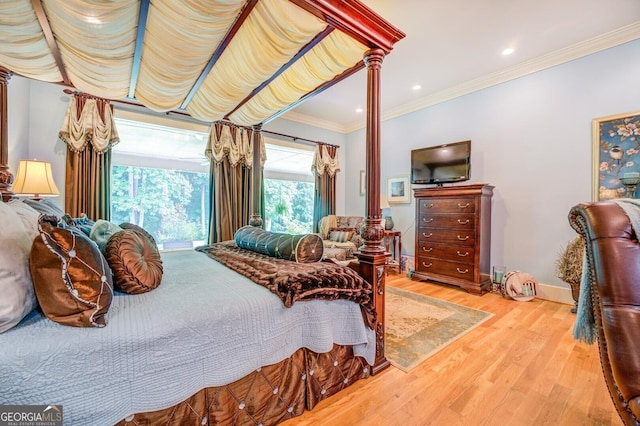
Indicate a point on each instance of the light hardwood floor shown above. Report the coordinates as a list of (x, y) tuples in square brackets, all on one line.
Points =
[(521, 367)]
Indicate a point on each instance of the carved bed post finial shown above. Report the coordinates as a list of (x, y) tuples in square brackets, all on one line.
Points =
[(6, 177)]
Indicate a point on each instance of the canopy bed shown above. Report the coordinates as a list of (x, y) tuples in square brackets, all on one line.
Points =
[(248, 62)]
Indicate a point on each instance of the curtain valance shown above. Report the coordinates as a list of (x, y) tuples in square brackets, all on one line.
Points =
[(325, 160), (234, 143), (89, 120)]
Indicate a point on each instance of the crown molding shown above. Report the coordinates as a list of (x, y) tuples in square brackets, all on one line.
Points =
[(575, 51), (314, 121)]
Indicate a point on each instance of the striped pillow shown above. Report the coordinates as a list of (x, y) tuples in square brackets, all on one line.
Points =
[(340, 236)]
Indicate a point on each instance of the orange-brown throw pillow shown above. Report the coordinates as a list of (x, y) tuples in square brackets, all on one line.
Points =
[(127, 225), (135, 261), (71, 277)]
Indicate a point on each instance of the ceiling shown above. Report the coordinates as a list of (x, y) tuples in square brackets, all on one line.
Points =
[(453, 47), (240, 60)]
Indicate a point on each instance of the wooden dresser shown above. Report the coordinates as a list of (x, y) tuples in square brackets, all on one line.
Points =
[(453, 236)]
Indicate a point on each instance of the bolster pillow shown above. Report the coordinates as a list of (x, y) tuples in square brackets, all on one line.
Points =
[(302, 248)]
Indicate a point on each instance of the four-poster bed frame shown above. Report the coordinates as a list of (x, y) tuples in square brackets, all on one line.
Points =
[(350, 17)]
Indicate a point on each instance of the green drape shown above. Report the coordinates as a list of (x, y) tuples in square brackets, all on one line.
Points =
[(325, 167), (230, 152), (88, 184), (89, 132)]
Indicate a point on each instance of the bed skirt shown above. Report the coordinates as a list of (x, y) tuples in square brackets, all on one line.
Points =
[(267, 396)]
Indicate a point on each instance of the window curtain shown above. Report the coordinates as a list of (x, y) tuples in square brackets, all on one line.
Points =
[(324, 167), (89, 132), (230, 152)]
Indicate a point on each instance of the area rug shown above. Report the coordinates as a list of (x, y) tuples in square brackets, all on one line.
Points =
[(418, 326)]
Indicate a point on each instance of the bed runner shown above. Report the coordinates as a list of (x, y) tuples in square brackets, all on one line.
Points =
[(292, 281)]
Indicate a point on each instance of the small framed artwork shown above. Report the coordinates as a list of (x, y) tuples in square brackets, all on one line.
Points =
[(616, 156), (363, 182), (398, 189)]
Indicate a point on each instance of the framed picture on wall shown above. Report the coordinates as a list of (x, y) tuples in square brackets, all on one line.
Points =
[(616, 156), (398, 189)]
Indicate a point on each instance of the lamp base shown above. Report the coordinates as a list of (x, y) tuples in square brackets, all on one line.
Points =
[(388, 223), (631, 184)]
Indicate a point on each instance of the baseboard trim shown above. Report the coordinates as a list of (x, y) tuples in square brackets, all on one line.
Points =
[(554, 293)]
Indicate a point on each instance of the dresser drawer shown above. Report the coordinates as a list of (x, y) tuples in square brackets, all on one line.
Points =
[(447, 205), (459, 253), (464, 237), (458, 270), (451, 221)]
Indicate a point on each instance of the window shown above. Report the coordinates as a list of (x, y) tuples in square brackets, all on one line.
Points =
[(288, 188), (160, 181)]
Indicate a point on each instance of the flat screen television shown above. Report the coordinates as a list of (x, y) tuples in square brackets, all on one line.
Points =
[(441, 164)]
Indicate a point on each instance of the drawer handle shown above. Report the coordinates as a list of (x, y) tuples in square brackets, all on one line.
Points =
[(427, 235), (462, 271), (427, 265), (429, 205), (463, 222), (428, 250), (466, 253), (427, 220), (463, 206), (465, 238)]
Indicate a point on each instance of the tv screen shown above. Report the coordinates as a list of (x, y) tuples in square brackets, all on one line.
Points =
[(441, 164)]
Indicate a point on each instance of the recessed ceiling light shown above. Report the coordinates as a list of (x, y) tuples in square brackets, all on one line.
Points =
[(359, 110), (508, 51), (416, 87)]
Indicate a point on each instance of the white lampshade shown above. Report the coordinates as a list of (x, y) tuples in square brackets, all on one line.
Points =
[(384, 204), (35, 179)]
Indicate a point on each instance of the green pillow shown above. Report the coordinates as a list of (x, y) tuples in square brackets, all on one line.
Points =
[(101, 231), (300, 248)]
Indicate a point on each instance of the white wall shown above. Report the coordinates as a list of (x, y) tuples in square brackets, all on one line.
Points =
[(44, 108), (531, 139), (18, 122)]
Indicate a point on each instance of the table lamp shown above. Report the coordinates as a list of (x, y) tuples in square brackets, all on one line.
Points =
[(34, 179)]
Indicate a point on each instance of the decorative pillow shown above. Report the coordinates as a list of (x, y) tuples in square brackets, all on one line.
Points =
[(357, 239), (127, 225), (101, 231), (45, 206), (71, 277), (303, 248), (83, 223), (28, 215), (135, 261), (17, 298), (341, 235)]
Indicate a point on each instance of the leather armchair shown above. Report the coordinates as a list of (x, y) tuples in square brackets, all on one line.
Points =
[(613, 258)]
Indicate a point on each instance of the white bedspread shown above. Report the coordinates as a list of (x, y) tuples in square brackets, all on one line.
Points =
[(203, 326)]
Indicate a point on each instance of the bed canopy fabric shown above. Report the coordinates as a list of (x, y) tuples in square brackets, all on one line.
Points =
[(245, 61)]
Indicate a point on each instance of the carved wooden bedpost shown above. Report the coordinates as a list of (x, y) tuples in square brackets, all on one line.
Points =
[(256, 178), (6, 178), (371, 256)]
